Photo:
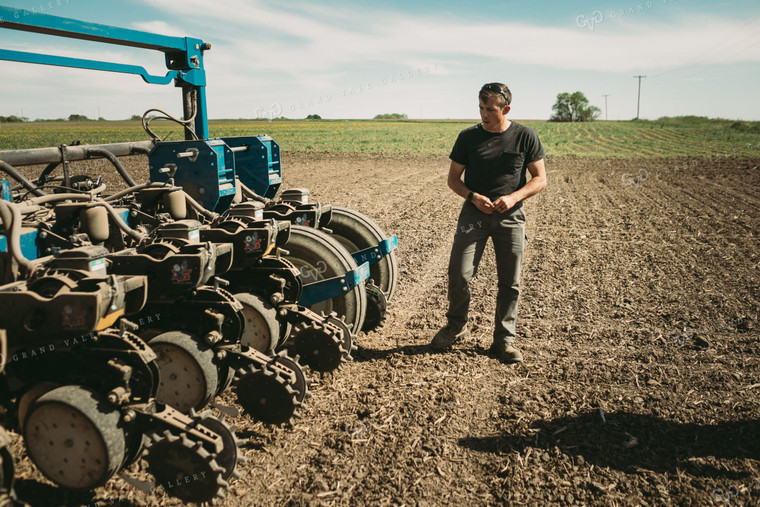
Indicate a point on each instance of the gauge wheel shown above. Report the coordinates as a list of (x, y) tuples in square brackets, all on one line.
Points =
[(262, 329), (74, 436), (188, 377)]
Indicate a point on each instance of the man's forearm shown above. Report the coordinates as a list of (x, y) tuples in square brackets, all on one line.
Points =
[(458, 186), (534, 186)]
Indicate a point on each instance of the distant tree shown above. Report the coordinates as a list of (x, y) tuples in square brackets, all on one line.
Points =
[(135, 117), (573, 107), (313, 117), (13, 119), (78, 117), (391, 116)]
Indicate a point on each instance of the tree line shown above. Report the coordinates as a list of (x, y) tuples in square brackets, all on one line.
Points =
[(72, 117)]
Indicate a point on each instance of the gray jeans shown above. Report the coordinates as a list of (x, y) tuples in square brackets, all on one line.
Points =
[(507, 232)]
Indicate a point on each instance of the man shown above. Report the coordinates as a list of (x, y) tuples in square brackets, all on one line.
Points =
[(494, 157)]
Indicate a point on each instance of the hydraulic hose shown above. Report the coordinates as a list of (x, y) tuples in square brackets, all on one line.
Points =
[(136, 235), (13, 173), (11, 217), (210, 215), (251, 194), (90, 150), (86, 196), (118, 195)]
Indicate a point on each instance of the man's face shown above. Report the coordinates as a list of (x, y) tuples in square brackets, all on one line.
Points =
[(492, 115)]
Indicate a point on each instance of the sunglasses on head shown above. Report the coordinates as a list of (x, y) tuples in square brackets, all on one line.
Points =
[(493, 87)]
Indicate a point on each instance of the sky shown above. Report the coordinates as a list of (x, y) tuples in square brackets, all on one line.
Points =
[(425, 59)]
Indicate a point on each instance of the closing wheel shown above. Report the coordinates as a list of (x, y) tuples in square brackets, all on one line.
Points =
[(348, 336), (188, 377), (356, 231), (230, 456), (265, 395), (262, 329), (318, 347), (377, 306), (300, 381), (184, 469), (318, 257), (74, 437)]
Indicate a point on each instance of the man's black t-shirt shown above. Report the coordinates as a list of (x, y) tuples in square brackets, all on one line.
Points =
[(496, 163)]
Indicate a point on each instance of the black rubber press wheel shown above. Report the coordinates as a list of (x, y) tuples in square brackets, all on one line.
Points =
[(318, 257)]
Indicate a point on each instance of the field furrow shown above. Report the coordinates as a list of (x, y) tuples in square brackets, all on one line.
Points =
[(638, 322)]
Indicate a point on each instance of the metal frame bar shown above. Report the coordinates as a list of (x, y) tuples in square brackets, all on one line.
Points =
[(183, 55)]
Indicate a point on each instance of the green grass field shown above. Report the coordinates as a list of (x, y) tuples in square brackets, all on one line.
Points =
[(682, 137)]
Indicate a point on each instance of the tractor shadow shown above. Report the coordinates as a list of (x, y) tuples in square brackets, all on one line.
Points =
[(631, 442)]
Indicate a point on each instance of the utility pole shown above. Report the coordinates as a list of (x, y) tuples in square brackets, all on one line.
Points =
[(638, 102), (605, 106)]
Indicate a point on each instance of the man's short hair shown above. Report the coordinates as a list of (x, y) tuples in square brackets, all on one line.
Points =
[(498, 90)]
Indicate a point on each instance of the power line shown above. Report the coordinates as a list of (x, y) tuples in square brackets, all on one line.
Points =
[(706, 54), (710, 66), (638, 102)]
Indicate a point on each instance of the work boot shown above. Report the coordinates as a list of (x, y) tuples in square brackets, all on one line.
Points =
[(447, 335), (506, 354)]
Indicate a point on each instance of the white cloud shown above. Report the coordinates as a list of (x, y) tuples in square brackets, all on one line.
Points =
[(308, 39), (159, 27), (296, 55)]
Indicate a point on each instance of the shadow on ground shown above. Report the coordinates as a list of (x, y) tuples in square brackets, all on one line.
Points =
[(364, 354), (39, 494), (631, 442)]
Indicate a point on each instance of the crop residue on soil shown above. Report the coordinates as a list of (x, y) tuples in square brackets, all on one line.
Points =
[(639, 326)]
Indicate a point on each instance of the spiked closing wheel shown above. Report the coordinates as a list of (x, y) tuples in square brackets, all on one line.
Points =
[(184, 469), (230, 456), (300, 382), (265, 395), (73, 436), (348, 336), (319, 347)]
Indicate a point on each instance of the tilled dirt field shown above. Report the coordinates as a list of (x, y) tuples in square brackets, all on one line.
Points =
[(639, 326)]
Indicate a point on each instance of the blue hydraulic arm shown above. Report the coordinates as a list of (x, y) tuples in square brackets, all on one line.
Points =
[(184, 55), (333, 287), (375, 254)]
